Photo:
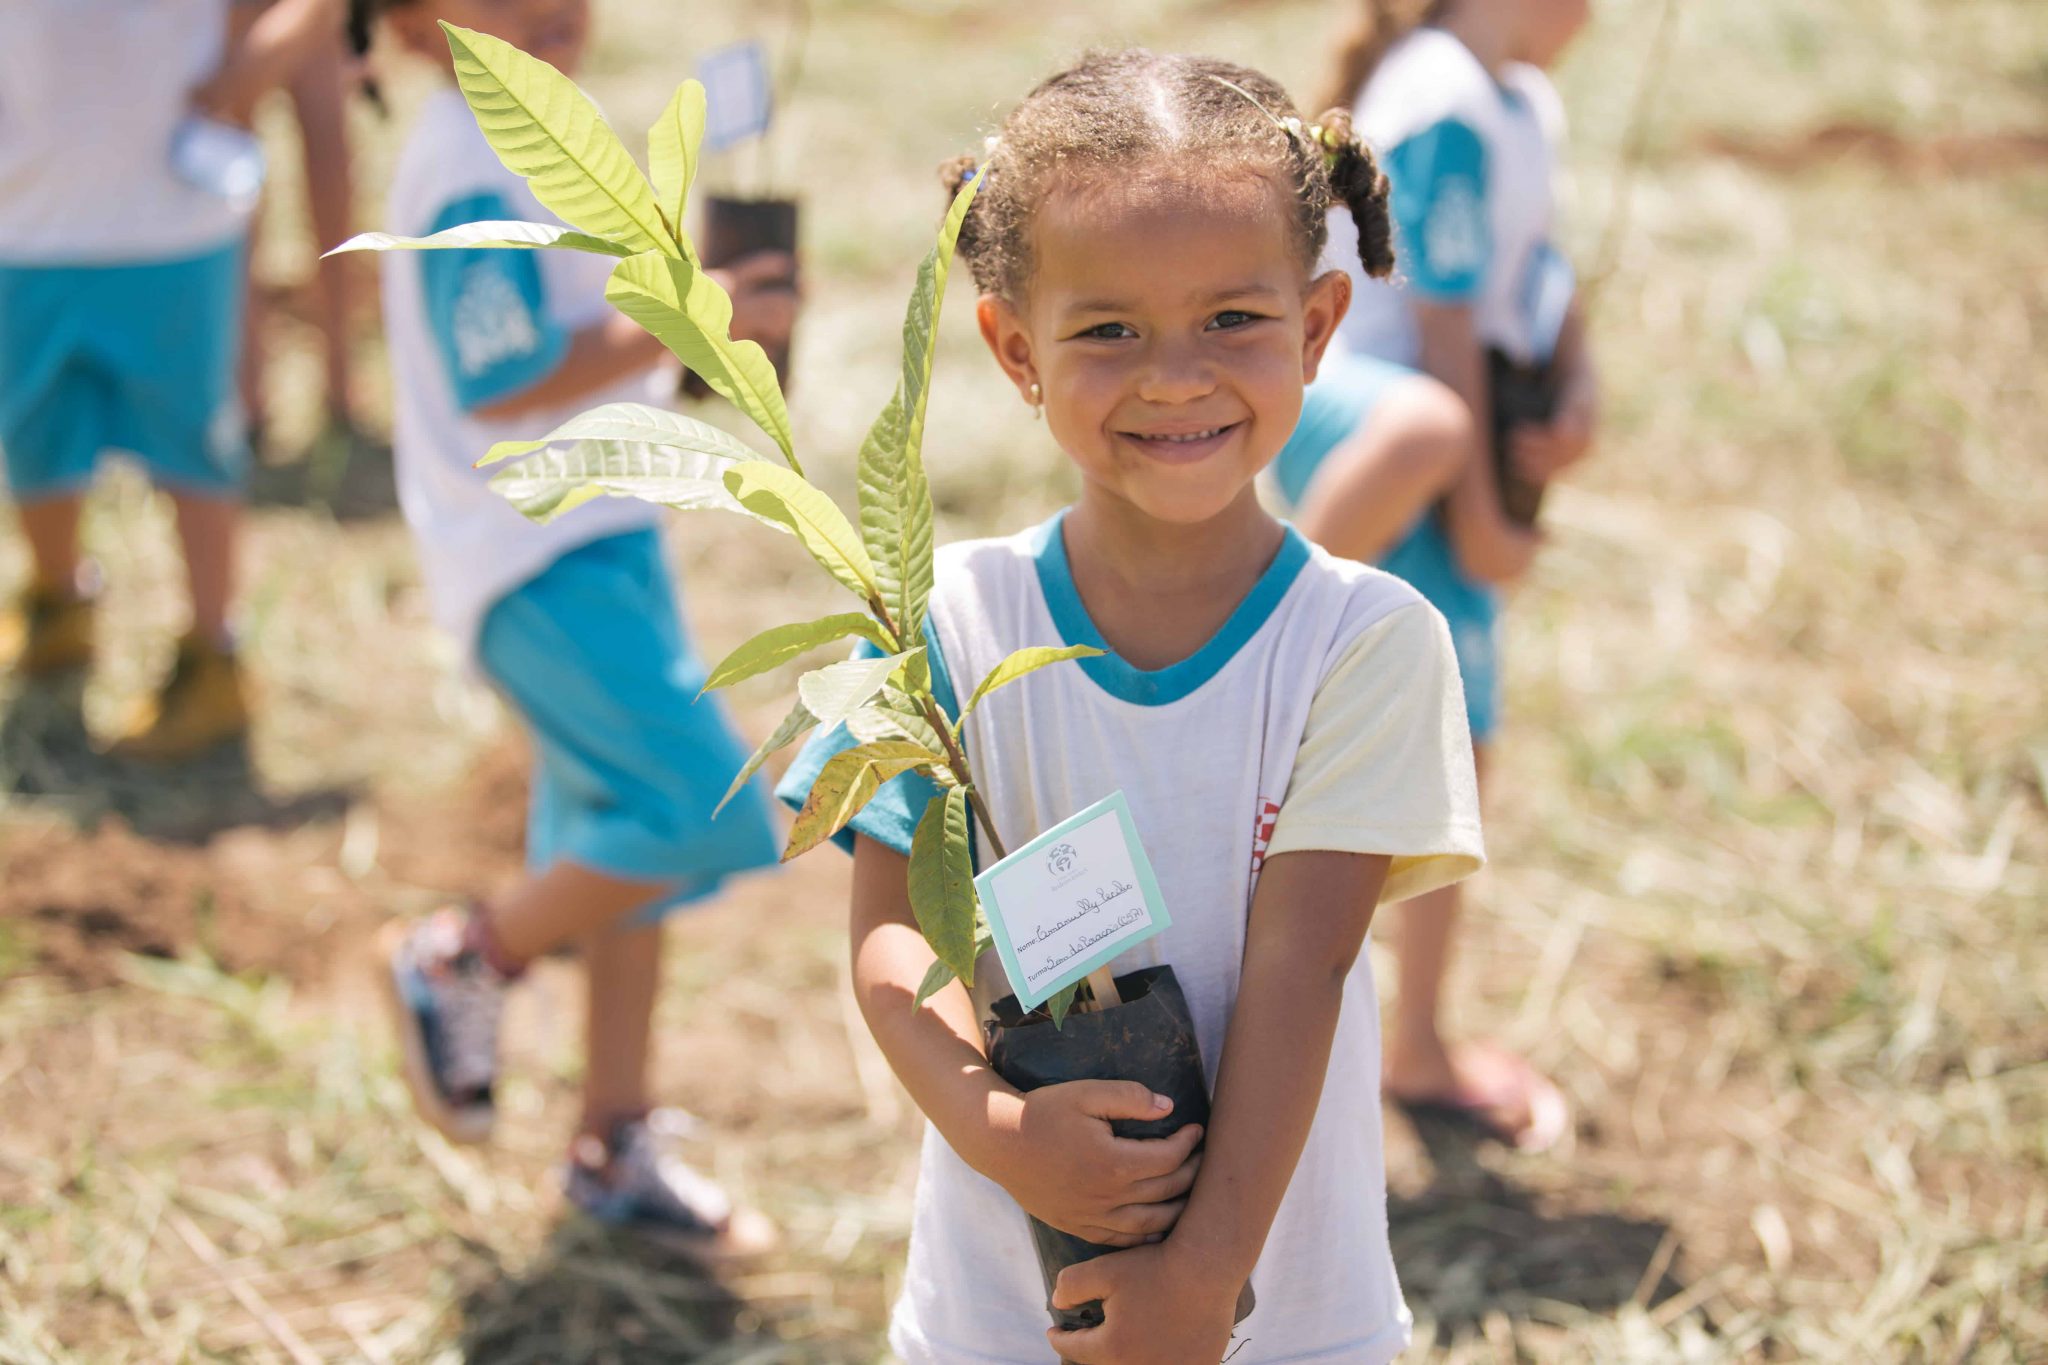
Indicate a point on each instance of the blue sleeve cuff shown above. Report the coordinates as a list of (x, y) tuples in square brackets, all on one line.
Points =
[(487, 311), (1443, 238), (892, 816)]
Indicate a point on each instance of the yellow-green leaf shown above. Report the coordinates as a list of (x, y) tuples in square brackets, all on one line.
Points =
[(894, 716), (1028, 660), (632, 422), (783, 496), (560, 478), (779, 644), (546, 130), (672, 155), (838, 690), (794, 726), (476, 236), (895, 496), (692, 315), (942, 882), (848, 781)]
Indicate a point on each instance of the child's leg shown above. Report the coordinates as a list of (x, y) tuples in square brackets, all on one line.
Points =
[(207, 528), (623, 968), (319, 99), (50, 525), (1426, 1069), (564, 903)]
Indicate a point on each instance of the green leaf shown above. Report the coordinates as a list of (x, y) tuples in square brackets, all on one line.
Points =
[(672, 155), (784, 497), (546, 130), (690, 313), (475, 236), (561, 478), (848, 781), (939, 976), (639, 422), (895, 496), (778, 645), (942, 882), (936, 978), (837, 691), (795, 725), (1028, 660), (1061, 1001), (895, 716)]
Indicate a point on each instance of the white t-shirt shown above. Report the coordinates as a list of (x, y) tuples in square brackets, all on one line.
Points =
[(91, 93), (1326, 714), (1472, 163), (468, 328)]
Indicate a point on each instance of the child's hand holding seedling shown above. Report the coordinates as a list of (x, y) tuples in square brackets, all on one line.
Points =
[(1160, 1306), (1055, 1153)]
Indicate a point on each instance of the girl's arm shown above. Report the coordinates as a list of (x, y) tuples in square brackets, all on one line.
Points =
[(1173, 1302), (263, 52), (603, 353), (1051, 1149), (1489, 547)]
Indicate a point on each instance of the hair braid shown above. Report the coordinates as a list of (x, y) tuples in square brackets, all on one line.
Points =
[(1357, 181)]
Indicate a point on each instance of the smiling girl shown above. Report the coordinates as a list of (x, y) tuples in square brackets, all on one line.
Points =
[(1287, 729)]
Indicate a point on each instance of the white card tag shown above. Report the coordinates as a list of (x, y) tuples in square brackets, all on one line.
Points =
[(739, 102), (1072, 899)]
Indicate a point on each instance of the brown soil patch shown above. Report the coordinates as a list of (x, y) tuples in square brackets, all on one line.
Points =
[(255, 898), (1992, 153)]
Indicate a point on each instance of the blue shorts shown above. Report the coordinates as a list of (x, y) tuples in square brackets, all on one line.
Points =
[(628, 763), (1346, 391), (139, 358)]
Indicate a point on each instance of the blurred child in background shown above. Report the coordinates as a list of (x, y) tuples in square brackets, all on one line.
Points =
[(576, 624), (1394, 460), (319, 90), (124, 206)]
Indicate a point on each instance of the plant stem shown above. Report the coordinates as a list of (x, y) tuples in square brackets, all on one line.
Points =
[(1101, 981), (956, 759)]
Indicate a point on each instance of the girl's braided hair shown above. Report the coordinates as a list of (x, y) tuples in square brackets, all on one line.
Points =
[(1116, 109)]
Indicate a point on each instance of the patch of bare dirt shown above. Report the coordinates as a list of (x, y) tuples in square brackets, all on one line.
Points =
[(255, 898), (1948, 154)]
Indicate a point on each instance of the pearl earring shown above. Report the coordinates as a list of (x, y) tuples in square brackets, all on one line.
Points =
[(1037, 400)]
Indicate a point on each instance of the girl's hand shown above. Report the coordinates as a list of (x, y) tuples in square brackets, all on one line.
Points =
[(764, 296), (1157, 1309), (1057, 1157), (1542, 451)]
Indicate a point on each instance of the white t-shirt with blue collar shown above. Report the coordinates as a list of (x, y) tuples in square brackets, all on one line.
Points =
[(1325, 714), (1472, 165), (467, 329)]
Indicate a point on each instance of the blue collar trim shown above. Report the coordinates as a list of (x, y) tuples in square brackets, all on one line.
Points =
[(1158, 686)]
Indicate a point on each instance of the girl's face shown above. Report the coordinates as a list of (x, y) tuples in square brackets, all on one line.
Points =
[(553, 30), (1548, 27), (1170, 331)]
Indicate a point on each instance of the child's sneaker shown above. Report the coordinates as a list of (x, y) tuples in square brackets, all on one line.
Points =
[(46, 631), (631, 1182), (446, 1001), (203, 703)]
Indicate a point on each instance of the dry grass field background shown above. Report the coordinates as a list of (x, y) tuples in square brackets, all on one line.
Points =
[(1771, 857)]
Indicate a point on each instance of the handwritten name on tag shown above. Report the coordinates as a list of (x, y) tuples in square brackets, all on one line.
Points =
[(1071, 899)]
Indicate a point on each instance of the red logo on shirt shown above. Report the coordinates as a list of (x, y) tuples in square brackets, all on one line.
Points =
[(1262, 831)]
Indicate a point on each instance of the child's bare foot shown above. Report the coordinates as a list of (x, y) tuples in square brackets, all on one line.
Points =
[(630, 1181), (1481, 1084)]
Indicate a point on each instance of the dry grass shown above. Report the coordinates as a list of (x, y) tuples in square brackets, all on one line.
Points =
[(1771, 853)]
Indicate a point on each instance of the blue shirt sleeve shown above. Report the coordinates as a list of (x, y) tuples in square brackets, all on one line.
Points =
[(486, 309), (1438, 181), (891, 816)]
